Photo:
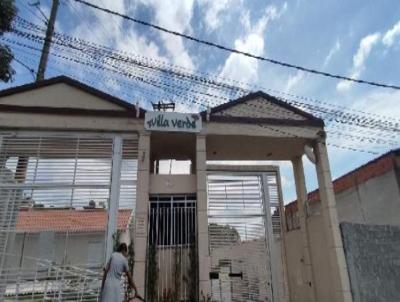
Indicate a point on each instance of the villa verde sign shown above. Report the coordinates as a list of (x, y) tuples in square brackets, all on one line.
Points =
[(172, 121)]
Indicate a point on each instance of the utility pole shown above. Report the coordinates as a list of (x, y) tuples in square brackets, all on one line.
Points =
[(22, 164), (47, 41)]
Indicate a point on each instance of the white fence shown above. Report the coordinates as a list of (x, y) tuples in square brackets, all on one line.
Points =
[(64, 197)]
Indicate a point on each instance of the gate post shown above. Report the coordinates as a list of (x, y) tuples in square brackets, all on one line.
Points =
[(339, 274), (301, 192), (114, 194), (141, 211), (202, 218)]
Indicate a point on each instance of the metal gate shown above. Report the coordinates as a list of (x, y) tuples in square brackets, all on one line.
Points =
[(243, 221), (172, 270), (65, 200)]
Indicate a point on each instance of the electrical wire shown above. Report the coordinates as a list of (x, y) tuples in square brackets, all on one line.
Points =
[(172, 70), (31, 70), (32, 12), (288, 134), (335, 114), (80, 49), (232, 50)]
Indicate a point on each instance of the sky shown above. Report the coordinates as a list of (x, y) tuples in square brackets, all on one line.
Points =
[(358, 38)]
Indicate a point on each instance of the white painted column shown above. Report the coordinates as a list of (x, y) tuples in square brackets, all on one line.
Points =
[(301, 191), (141, 214), (114, 194), (202, 218), (339, 274), (272, 263), (285, 294)]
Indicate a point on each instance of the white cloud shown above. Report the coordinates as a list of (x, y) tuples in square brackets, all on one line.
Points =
[(174, 15), (242, 68), (343, 86), (98, 26), (239, 67), (245, 20), (109, 30), (381, 102), (364, 50), (391, 34), (294, 80), (112, 31), (213, 10), (331, 53), (133, 43)]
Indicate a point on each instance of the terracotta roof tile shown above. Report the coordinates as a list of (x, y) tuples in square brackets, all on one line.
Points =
[(362, 174), (62, 220)]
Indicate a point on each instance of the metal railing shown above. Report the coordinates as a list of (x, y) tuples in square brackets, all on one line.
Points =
[(42, 280)]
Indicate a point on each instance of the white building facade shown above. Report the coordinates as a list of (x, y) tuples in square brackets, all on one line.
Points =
[(211, 234)]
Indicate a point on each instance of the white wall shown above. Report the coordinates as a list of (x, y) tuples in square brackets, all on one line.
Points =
[(83, 249), (376, 201)]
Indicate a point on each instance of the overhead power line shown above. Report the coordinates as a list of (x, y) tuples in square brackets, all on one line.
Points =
[(31, 70), (122, 61), (152, 79), (155, 80), (232, 50), (327, 111)]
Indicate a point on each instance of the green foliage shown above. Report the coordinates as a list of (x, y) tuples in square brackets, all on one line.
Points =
[(131, 263), (193, 270), (177, 275), (7, 13), (168, 296), (131, 257), (116, 239), (152, 271), (6, 56)]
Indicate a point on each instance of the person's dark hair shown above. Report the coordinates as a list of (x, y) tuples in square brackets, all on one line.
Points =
[(122, 248)]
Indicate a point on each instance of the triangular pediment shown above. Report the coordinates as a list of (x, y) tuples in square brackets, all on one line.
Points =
[(260, 106), (62, 92)]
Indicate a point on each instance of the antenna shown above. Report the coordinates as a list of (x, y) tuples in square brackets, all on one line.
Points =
[(160, 106)]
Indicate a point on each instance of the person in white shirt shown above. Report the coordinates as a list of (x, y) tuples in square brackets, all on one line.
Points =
[(111, 283)]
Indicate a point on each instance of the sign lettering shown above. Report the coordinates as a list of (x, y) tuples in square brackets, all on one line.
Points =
[(172, 121)]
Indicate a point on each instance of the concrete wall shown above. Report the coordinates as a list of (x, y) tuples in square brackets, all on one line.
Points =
[(83, 249), (295, 266), (375, 201), (59, 95), (172, 184), (298, 286), (373, 258)]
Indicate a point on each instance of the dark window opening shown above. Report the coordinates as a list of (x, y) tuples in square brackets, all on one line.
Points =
[(172, 221)]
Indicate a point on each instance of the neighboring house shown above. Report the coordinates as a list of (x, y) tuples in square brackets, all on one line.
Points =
[(369, 194), (63, 236)]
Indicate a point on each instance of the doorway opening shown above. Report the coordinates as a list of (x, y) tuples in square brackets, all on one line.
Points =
[(172, 264)]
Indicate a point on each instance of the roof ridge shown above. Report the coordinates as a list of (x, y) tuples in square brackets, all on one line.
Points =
[(266, 97), (74, 83)]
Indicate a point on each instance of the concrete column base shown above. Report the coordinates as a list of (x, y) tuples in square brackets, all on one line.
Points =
[(339, 274)]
